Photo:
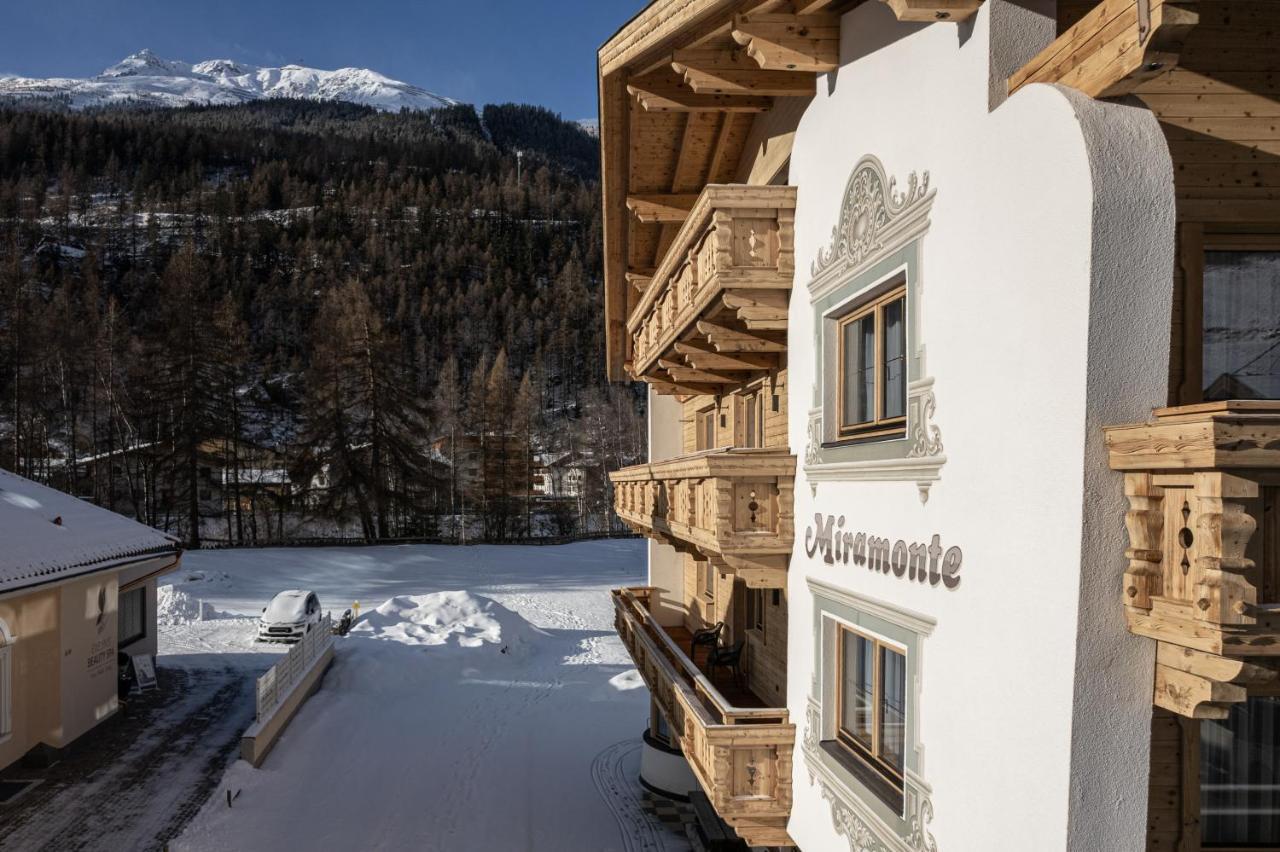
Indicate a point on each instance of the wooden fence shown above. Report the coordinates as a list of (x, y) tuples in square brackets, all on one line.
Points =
[(275, 686)]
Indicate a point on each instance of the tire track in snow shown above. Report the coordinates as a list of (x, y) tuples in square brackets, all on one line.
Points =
[(609, 778)]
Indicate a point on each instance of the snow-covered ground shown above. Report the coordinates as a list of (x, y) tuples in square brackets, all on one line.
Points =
[(481, 703)]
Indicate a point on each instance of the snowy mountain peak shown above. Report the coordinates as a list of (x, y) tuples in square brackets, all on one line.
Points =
[(144, 63), (147, 79), (223, 68)]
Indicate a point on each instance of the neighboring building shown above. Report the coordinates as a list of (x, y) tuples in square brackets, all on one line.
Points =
[(560, 476), (905, 271), (486, 466), (140, 479), (77, 586)]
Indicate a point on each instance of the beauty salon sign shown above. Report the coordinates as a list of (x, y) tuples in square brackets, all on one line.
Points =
[(917, 561)]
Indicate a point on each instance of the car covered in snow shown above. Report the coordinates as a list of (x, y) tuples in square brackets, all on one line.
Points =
[(290, 615)]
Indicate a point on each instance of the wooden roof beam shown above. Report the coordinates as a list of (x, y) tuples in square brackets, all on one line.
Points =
[(639, 278), (661, 208), (731, 72), (1104, 54), (665, 91), (933, 10), (666, 388), (726, 339), (784, 42), (703, 357), (684, 375)]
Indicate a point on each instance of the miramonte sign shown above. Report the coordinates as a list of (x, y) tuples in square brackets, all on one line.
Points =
[(923, 563)]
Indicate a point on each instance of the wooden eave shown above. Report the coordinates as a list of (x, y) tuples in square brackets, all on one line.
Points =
[(1107, 54), (670, 127)]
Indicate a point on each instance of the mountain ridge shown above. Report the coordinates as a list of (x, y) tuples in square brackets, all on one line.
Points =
[(145, 79)]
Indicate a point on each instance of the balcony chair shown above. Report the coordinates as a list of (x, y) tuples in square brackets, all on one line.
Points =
[(729, 658), (710, 637)]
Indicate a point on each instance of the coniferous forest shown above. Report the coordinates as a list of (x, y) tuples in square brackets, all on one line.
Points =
[(292, 319)]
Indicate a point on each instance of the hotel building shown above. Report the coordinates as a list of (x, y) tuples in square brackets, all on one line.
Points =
[(960, 322)]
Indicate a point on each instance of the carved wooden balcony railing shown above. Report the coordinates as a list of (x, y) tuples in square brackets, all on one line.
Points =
[(733, 507), (714, 314), (1113, 49), (740, 755), (1203, 577)]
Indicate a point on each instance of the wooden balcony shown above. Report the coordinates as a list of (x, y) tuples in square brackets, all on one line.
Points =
[(733, 507), (714, 314), (741, 755), (1114, 49), (1203, 575)]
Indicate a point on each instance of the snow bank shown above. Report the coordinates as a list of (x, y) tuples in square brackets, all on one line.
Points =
[(471, 621), (175, 607)]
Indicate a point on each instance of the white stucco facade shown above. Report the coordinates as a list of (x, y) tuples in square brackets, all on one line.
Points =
[(1038, 281)]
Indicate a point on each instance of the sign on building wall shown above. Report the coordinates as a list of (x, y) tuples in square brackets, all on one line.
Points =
[(919, 561)]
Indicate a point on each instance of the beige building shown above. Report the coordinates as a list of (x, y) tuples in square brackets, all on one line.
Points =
[(77, 588)]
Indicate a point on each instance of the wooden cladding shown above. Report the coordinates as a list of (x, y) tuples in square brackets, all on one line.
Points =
[(732, 507), (1203, 575), (1112, 49), (741, 756), (714, 314)]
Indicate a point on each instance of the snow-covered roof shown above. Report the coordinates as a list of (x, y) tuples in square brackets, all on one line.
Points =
[(36, 547)]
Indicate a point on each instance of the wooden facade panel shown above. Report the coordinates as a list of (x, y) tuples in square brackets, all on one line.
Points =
[(767, 660)]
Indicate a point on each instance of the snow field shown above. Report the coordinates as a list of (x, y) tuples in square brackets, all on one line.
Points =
[(464, 711)]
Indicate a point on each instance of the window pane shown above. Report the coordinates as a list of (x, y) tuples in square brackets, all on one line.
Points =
[(1242, 325), (895, 359), (1240, 776), (859, 350), (857, 709), (867, 388), (893, 706)]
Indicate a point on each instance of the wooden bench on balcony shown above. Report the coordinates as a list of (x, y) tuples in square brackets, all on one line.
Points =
[(740, 755), (1203, 577), (732, 507), (714, 314)]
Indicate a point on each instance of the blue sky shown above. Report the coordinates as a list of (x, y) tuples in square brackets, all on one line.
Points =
[(483, 51)]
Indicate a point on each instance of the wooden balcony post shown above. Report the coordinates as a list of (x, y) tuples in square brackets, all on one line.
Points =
[(722, 768), (1145, 524), (786, 242), (722, 524), (786, 510), (1223, 595)]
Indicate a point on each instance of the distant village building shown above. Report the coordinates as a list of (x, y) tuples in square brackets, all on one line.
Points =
[(77, 588), (486, 466), (560, 476)]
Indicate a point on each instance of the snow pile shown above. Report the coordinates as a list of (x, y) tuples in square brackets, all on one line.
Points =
[(208, 579), (175, 607), (435, 619)]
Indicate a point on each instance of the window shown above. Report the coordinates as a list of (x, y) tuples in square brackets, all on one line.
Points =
[(706, 429), (755, 609), (132, 616), (871, 703), (708, 580), (872, 384), (1240, 352), (752, 420), (1240, 777)]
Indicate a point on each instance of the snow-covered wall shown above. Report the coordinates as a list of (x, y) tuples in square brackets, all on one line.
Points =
[(1039, 281)]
